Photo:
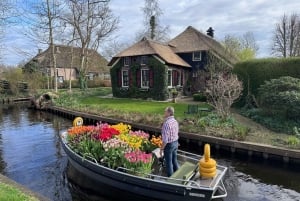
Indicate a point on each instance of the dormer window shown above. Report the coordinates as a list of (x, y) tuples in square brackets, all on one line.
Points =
[(197, 56), (144, 60), (126, 61)]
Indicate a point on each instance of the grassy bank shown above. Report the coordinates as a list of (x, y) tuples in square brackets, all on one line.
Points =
[(11, 193)]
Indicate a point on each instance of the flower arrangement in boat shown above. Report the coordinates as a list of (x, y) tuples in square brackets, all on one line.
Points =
[(138, 162), (114, 146)]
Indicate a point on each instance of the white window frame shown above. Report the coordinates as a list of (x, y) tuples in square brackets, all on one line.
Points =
[(91, 76), (60, 79), (125, 86), (171, 78), (148, 83), (143, 60), (106, 76), (196, 58), (126, 61)]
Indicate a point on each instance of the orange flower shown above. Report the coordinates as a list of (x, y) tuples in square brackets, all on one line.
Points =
[(79, 130), (157, 141)]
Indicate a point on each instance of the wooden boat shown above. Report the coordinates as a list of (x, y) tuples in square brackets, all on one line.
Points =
[(187, 185)]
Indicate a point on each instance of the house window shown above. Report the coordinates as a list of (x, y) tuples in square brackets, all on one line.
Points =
[(126, 61), (143, 60), (60, 79), (196, 56), (106, 76), (125, 78), (90, 76), (169, 78), (145, 78)]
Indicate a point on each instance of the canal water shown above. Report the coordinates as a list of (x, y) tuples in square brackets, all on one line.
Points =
[(31, 154)]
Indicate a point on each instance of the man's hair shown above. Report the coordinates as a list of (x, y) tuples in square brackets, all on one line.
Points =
[(170, 110)]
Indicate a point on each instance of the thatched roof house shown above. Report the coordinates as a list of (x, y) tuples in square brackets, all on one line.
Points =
[(150, 69), (97, 64)]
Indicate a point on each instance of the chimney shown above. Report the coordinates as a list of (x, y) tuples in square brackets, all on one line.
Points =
[(39, 51), (210, 32)]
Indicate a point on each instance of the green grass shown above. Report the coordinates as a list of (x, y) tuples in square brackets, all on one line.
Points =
[(10, 193), (140, 106)]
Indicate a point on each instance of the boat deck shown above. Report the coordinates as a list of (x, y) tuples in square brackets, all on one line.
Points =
[(195, 180)]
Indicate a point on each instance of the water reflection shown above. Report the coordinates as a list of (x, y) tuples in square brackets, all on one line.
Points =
[(31, 154)]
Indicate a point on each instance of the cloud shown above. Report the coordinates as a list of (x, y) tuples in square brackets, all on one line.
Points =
[(225, 16)]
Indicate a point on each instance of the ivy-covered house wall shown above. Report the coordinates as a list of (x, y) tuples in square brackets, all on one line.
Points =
[(157, 88)]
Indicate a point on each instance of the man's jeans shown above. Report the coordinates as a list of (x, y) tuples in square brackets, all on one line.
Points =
[(170, 153)]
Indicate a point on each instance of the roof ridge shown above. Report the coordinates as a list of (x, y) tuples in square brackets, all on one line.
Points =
[(154, 41)]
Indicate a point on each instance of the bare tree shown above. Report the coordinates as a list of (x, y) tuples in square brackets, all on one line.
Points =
[(43, 20), (222, 91), (113, 47), (51, 15), (93, 21), (232, 44), (152, 26), (5, 13), (248, 41), (286, 36), (244, 47), (72, 41)]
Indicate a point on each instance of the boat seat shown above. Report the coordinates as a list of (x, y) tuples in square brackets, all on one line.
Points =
[(185, 172)]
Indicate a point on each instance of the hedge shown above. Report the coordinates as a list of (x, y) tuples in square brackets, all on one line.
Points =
[(255, 72)]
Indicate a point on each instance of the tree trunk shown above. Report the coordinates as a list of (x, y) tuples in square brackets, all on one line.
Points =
[(53, 57)]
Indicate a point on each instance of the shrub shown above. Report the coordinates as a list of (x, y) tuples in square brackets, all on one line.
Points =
[(281, 96), (293, 141), (255, 72), (276, 122), (228, 127), (199, 97), (97, 82), (222, 91)]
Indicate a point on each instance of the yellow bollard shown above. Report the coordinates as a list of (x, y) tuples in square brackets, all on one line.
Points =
[(207, 165), (78, 121)]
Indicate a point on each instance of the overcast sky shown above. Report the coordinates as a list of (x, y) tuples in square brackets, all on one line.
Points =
[(234, 17)]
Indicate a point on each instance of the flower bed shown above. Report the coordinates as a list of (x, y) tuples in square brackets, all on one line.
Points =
[(114, 146)]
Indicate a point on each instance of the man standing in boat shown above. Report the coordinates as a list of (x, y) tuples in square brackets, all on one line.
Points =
[(169, 133)]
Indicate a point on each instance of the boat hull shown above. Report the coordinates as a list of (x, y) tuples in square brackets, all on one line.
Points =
[(136, 186)]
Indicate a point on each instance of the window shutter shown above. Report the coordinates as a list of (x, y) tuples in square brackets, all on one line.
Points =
[(182, 74), (119, 78), (174, 78), (150, 78), (138, 78), (130, 78)]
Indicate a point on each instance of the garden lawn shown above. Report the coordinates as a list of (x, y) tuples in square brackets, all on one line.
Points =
[(141, 106)]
